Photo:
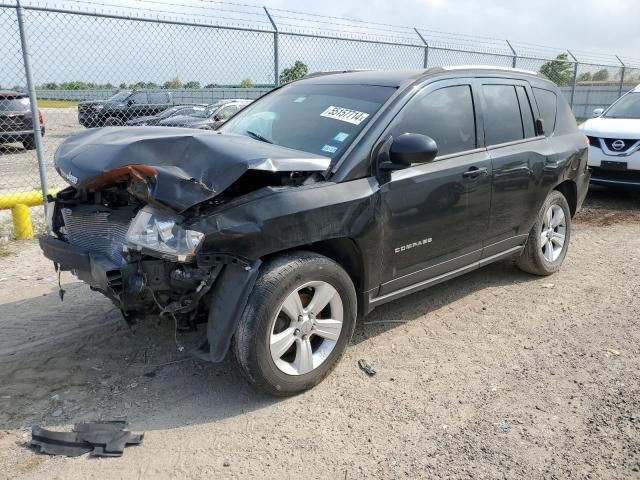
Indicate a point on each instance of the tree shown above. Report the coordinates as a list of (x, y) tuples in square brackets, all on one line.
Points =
[(584, 77), (559, 71), (192, 85), (122, 86), (601, 75), (211, 85), (246, 83), (297, 71), (174, 83)]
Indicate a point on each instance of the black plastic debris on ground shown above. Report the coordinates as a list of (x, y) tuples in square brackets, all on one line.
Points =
[(366, 368), (100, 439)]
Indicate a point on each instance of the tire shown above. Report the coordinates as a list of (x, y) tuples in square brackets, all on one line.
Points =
[(310, 278), (113, 122), (543, 255), (29, 143)]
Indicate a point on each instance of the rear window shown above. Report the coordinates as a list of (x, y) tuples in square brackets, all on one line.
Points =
[(548, 106), (502, 121), (14, 104), (155, 97)]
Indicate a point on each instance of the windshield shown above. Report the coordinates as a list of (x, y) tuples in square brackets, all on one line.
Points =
[(319, 119), (197, 112), (119, 97), (14, 104), (627, 107)]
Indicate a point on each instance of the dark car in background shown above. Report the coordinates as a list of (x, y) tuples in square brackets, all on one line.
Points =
[(16, 121), (178, 110), (122, 107), (210, 118)]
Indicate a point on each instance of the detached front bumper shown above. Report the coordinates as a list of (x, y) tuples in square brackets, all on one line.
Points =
[(94, 268)]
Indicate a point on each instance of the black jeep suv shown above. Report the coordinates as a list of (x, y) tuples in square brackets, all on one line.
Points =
[(122, 107), (323, 199), (16, 121)]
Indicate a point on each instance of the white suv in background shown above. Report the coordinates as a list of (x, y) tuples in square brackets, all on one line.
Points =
[(614, 142)]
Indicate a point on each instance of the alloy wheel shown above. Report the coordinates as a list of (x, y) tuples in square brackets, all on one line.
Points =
[(306, 328)]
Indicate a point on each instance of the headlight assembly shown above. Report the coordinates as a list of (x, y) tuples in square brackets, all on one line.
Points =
[(157, 232)]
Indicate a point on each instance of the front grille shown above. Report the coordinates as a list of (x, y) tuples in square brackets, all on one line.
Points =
[(623, 145), (98, 231), (11, 123), (624, 175)]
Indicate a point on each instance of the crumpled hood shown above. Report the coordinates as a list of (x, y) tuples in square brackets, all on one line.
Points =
[(175, 167)]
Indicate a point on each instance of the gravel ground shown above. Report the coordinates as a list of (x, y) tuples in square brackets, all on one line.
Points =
[(497, 374)]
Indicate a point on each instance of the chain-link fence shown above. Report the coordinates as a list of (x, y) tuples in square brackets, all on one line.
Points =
[(160, 63)]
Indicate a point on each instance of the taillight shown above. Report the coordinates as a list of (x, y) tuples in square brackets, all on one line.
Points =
[(40, 120)]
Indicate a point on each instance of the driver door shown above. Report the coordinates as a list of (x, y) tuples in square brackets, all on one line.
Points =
[(438, 212)]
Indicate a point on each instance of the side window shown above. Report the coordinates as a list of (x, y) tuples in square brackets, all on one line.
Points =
[(446, 115), (158, 97), (548, 105), (502, 121), (527, 115), (138, 98)]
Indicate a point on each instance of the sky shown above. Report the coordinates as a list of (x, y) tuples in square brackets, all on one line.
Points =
[(73, 47), (609, 26)]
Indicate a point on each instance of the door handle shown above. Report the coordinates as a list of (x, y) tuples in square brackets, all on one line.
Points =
[(475, 172)]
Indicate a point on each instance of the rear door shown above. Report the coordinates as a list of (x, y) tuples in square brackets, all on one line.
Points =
[(518, 156), (158, 102), (437, 213)]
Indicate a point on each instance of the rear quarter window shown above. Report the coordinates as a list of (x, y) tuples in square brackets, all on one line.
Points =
[(502, 120), (548, 106)]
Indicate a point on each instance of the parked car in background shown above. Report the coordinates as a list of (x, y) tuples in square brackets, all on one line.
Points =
[(210, 118), (325, 198), (16, 121), (178, 110), (122, 107), (614, 142)]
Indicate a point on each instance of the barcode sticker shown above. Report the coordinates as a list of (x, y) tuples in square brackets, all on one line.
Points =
[(345, 115)]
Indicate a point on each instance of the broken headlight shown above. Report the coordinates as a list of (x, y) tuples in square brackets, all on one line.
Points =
[(157, 232)]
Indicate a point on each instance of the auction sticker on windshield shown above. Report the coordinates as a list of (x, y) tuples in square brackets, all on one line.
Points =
[(345, 115)]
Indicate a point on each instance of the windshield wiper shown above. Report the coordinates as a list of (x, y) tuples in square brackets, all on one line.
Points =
[(257, 136)]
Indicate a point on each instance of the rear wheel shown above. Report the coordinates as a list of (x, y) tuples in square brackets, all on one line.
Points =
[(298, 321), (548, 240)]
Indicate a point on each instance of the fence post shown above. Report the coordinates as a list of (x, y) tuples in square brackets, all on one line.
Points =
[(624, 67), (515, 55), (575, 78), (37, 136), (426, 48), (276, 60)]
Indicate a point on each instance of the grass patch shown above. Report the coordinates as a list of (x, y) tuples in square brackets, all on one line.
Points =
[(45, 103), (5, 251)]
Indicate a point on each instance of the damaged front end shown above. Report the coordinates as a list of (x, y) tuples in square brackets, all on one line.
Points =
[(126, 224)]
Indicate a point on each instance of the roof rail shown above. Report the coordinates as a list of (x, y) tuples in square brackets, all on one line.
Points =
[(334, 72), (490, 67)]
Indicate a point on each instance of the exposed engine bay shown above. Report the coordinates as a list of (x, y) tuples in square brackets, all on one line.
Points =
[(127, 229)]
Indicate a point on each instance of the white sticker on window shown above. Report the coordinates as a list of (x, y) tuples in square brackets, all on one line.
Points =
[(345, 115), (329, 149)]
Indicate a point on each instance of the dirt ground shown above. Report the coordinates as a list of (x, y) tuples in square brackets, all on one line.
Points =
[(497, 374)]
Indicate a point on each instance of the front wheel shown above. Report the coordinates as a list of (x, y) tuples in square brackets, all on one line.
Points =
[(548, 240), (298, 321), (29, 143)]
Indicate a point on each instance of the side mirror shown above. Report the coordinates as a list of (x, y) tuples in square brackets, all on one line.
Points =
[(218, 116), (410, 148), (597, 112)]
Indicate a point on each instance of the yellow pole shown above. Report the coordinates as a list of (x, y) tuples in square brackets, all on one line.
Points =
[(22, 222)]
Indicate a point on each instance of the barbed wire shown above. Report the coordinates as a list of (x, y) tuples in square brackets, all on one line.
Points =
[(204, 12)]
